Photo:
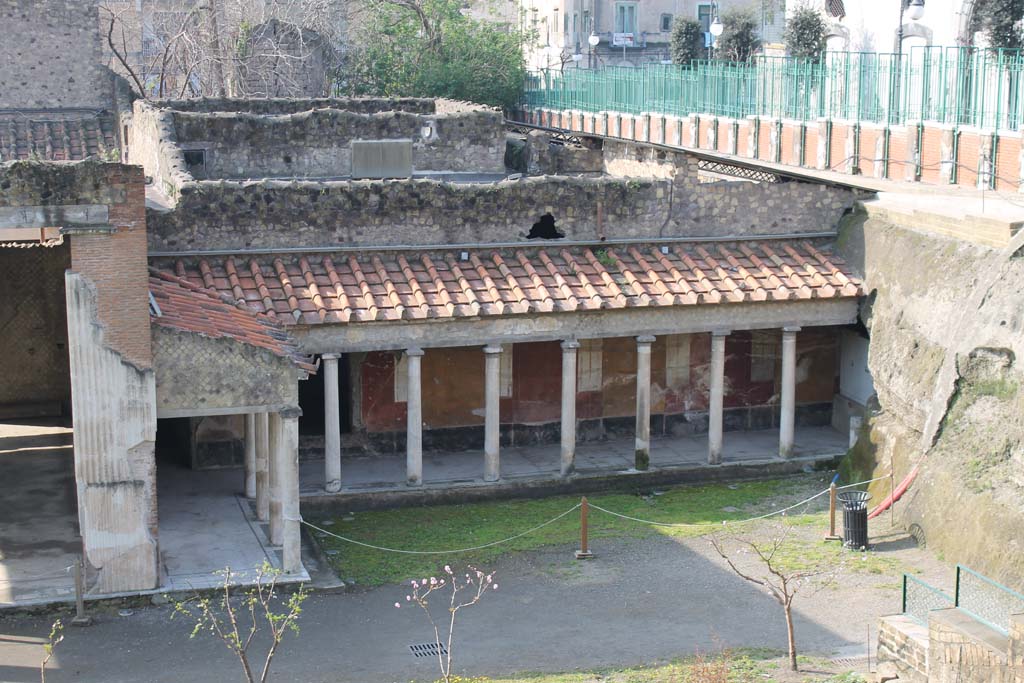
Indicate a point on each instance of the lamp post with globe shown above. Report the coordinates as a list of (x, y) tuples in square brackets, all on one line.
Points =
[(716, 29), (594, 40), (915, 10)]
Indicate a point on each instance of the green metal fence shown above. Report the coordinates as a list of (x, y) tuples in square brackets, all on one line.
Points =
[(986, 600), (920, 598), (956, 86)]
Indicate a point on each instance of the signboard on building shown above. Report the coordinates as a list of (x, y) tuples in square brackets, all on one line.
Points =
[(623, 40)]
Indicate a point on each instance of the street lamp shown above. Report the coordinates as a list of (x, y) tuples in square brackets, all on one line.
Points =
[(716, 29), (915, 10), (594, 41)]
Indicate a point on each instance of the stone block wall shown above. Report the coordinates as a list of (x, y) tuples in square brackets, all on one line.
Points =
[(268, 214), (317, 143), (51, 56), (962, 650), (199, 375), (904, 643), (285, 105)]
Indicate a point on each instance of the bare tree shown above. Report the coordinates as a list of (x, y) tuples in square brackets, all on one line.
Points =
[(233, 48), (772, 572)]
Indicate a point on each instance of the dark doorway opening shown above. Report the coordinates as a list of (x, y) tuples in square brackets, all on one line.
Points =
[(311, 400)]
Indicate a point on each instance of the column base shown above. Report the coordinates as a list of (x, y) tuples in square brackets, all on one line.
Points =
[(641, 460), (333, 486), (414, 482)]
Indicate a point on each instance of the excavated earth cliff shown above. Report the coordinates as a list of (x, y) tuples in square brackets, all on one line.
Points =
[(945, 318)]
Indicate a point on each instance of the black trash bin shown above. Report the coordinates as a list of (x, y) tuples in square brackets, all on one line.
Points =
[(855, 518)]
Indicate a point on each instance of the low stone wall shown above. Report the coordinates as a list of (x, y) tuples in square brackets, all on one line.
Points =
[(287, 105), (153, 144), (317, 143), (271, 213), (962, 650), (903, 644)]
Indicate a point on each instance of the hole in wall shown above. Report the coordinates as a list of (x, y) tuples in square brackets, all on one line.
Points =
[(287, 158), (545, 229)]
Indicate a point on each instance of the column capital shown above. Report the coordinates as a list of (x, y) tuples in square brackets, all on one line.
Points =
[(793, 329), (645, 340), (414, 351), (330, 356), (570, 345), (291, 413), (720, 333), (493, 349)]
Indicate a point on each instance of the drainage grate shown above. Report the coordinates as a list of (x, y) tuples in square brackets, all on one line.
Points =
[(428, 649), (851, 662)]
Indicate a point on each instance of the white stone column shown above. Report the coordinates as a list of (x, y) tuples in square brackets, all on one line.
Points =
[(262, 467), (332, 424), (642, 450), (287, 457), (717, 397), (250, 455), (787, 403), (414, 420), (276, 452), (492, 412), (569, 406)]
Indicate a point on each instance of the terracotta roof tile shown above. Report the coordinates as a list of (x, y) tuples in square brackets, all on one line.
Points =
[(187, 306), (29, 136), (355, 287)]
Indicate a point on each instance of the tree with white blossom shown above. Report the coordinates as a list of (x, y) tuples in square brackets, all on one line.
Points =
[(461, 593)]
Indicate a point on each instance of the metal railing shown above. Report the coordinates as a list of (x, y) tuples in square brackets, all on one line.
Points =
[(986, 600), (959, 86), (920, 598)]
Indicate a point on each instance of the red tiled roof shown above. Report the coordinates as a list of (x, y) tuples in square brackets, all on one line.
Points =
[(23, 136), (346, 287), (186, 307)]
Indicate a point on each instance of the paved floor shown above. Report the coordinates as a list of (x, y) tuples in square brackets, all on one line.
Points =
[(542, 462), (638, 601), (38, 520), (204, 525)]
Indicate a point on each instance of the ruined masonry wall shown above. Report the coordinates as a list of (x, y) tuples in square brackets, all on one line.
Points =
[(51, 56), (200, 374), (281, 105), (224, 215), (318, 143)]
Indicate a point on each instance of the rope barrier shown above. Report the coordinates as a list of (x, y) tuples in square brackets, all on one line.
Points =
[(706, 524), (861, 483), (444, 552)]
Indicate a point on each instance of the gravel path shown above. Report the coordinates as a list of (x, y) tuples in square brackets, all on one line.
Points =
[(639, 601)]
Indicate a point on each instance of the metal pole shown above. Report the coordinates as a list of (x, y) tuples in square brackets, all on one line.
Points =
[(584, 552)]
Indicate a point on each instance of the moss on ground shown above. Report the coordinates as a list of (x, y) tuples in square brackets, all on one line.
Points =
[(447, 527)]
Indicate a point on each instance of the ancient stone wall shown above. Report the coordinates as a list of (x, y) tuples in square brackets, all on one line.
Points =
[(317, 143), (199, 375), (903, 645), (51, 56), (287, 105), (946, 338), (225, 215)]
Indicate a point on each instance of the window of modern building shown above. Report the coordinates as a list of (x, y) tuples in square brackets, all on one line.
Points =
[(625, 17), (666, 23), (704, 17)]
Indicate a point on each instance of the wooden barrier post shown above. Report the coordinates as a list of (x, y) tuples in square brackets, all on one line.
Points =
[(584, 552), (832, 513), (81, 618)]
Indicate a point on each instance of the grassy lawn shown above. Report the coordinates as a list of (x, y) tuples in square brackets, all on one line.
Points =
[(743, 665), (450, 527)]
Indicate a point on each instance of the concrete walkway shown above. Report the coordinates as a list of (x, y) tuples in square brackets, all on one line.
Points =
[(540, 463), (38, 518), (204, 526), (638, 601)]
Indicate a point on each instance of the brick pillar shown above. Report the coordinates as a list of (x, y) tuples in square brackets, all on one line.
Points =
[(821, 160), (752, 133)]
